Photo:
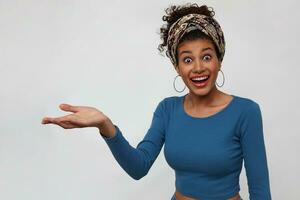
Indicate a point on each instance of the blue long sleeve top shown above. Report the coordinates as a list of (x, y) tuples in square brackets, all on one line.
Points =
[(206, 153)]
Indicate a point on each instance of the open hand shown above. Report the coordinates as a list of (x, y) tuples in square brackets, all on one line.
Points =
[(82, 116)]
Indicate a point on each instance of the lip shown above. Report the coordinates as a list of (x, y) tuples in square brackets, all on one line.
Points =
[(200, 85)]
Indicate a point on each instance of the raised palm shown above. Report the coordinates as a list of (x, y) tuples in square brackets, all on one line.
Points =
[(82, 116)]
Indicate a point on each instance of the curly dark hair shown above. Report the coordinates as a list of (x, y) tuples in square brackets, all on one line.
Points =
[(173, 13)]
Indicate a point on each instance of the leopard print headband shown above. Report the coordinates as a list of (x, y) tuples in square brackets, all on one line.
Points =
[(190, 22)]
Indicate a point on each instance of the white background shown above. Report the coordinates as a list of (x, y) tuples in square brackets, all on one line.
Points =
[(104, 54)]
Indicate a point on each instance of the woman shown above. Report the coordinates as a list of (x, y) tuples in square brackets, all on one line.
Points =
[(207, 133)]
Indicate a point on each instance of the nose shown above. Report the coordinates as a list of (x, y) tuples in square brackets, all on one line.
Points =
[(198, 66)]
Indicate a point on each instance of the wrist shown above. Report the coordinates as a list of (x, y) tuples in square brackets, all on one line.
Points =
[(103, 123), (107, 128)]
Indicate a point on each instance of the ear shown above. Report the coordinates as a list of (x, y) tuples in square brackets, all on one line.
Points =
[(177, 69), (220, 65)]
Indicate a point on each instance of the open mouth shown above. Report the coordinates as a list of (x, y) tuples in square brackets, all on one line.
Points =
[(200, 81)]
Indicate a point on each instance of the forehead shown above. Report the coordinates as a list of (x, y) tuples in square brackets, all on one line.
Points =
[(195, 45)]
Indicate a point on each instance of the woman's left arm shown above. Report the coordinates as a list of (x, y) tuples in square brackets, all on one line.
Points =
[(254, 153)]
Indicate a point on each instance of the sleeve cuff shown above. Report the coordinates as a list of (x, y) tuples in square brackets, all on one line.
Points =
[(114, 138)]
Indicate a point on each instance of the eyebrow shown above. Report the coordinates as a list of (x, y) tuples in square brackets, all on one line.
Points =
[(191, 52)]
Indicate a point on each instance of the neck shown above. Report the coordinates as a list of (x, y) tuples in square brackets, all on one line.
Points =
[(206, 100)]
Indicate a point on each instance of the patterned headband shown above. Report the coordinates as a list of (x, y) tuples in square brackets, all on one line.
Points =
[(190, 22)]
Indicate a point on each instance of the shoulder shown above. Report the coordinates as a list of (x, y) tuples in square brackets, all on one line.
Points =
[(250, 112), (168, 103), (247, 104), (250, 118), (169, 100)]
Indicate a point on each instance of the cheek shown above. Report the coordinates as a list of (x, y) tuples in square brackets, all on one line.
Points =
[(215, 73), (215, 66)]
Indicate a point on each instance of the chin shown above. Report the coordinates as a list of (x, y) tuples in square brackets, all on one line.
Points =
[(201, 91)]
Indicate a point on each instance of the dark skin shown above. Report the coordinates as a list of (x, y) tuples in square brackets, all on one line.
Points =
[(200, 102), (198, 57)]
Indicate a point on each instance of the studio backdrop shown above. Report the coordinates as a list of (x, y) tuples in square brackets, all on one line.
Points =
[(104, 54)]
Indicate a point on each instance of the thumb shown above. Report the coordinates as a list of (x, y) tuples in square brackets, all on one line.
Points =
[(68, 107)]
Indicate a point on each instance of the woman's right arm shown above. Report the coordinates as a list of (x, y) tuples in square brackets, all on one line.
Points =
[(135, 161)]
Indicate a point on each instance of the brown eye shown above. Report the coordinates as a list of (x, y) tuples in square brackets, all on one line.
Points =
[(207, 57), (187, 60)]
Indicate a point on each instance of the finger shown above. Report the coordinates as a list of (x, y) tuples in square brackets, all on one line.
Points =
[(68, 107), (56, 120), (66, 125), (65, 120), (63, 124), (47, 120)]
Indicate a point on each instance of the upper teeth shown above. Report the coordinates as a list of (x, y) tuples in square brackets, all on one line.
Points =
[(199, 78)]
